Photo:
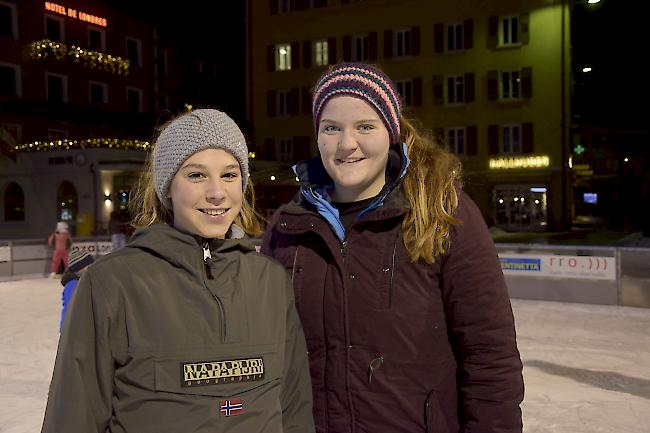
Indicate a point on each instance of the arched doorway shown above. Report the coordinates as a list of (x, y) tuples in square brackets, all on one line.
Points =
[(14, 203), (66, 204)]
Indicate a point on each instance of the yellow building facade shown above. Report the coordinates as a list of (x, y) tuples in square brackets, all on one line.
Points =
[(489, 78)]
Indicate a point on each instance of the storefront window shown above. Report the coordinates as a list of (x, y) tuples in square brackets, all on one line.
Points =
[(520, 207)]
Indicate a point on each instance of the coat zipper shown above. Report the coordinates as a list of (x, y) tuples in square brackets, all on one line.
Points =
[(208, 256), (375, 364)]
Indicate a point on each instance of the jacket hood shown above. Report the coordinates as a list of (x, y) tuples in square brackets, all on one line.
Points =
[(186, 250)]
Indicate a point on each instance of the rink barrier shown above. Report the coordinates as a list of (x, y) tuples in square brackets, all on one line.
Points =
[(565, 273)]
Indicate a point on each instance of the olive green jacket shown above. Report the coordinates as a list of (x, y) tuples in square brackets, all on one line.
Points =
[(160, 340)]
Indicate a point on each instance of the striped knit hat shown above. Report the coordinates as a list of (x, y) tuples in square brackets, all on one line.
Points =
[(364, 82)]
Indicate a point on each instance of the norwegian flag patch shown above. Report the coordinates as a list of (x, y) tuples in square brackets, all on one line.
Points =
[(232, 407)]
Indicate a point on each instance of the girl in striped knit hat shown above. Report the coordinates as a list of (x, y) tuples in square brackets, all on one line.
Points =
[(397, 282)]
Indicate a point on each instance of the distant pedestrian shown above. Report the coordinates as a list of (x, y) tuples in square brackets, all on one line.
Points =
[(117, 228), (79, 262), (61, 241)]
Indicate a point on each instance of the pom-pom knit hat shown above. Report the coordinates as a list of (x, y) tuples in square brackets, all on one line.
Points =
[(364, 82), (192, 132), (78, 260)]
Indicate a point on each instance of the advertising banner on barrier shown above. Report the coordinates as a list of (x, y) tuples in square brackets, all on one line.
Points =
[(548, 265), (5, 254), (93, 248)]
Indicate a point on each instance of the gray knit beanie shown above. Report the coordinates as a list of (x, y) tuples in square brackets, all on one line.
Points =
[(190, 133)]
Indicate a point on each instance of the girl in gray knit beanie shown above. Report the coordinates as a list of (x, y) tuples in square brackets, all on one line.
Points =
[(180, 140)]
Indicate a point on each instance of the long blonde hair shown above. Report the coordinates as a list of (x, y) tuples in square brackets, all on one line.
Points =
[(430, 186), (147, 209)]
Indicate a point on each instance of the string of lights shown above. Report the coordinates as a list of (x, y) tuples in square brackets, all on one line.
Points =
[(45, 49), (90, 143)]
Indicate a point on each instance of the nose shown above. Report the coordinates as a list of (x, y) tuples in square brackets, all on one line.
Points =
[(347, 141), (215, 192)]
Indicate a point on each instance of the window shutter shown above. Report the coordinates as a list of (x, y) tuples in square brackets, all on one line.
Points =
[(439, 137), (306, 101), (468, 34), (469, 87), (270, 58), (415, 41), (302, 147), (294, 98), (472, 138), (493, 32), (388, 44), (493, 139), (302, 5), (269, 148), (306, 54), (347, 48), (493, 85), (295, 47), (439, 37), (372, 46), (527, 83), (524, 32), (331, 51), (527, 138), (437, 89), (417, 92), (273, 7), (270, 103)]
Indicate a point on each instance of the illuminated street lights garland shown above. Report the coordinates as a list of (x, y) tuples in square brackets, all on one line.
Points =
[(46, 48), (91, 143)]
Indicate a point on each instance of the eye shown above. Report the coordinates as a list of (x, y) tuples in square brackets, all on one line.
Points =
[(231, 175), (366, 127), (329, 129), (195, 175)]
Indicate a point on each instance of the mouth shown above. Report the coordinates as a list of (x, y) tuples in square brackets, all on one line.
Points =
[(348, 160), (214, 212)]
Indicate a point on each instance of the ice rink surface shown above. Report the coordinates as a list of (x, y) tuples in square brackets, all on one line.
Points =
[(586, 367)]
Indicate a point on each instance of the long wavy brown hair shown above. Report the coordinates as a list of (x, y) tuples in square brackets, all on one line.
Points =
[(430, 186), (147, 209)]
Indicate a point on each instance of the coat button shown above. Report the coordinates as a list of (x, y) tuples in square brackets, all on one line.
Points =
[(352, 276), (386, 269), (283, 225), (311, 225)]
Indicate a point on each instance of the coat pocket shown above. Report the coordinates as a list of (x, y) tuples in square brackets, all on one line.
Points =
[(436, 421), (223, 371)]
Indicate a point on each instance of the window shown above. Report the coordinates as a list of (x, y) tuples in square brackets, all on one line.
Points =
[(283, 57), (134, 51), (8, 20), (98, 93), (283, 102), (403, 43), (14, 203), (509, 30), (360, 48), (510, 85), (405, 89), (511, 139), (54, 28), (56, 87), (454, 37), (456, 89), (321, 53), (286, 6), (11, 134), (134, 100), (96, 39), (10, 84), (456, 141), (285, 150)]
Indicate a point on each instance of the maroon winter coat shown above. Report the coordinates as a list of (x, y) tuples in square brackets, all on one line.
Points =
[(397, 346)]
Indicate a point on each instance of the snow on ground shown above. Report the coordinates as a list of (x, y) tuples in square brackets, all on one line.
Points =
[(586, 367)]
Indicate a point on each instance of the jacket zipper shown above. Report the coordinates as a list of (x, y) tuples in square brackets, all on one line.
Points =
[(206, 256), (375, 364)]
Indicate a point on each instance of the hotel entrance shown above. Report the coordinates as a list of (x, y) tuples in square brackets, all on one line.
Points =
[(520, 207)]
